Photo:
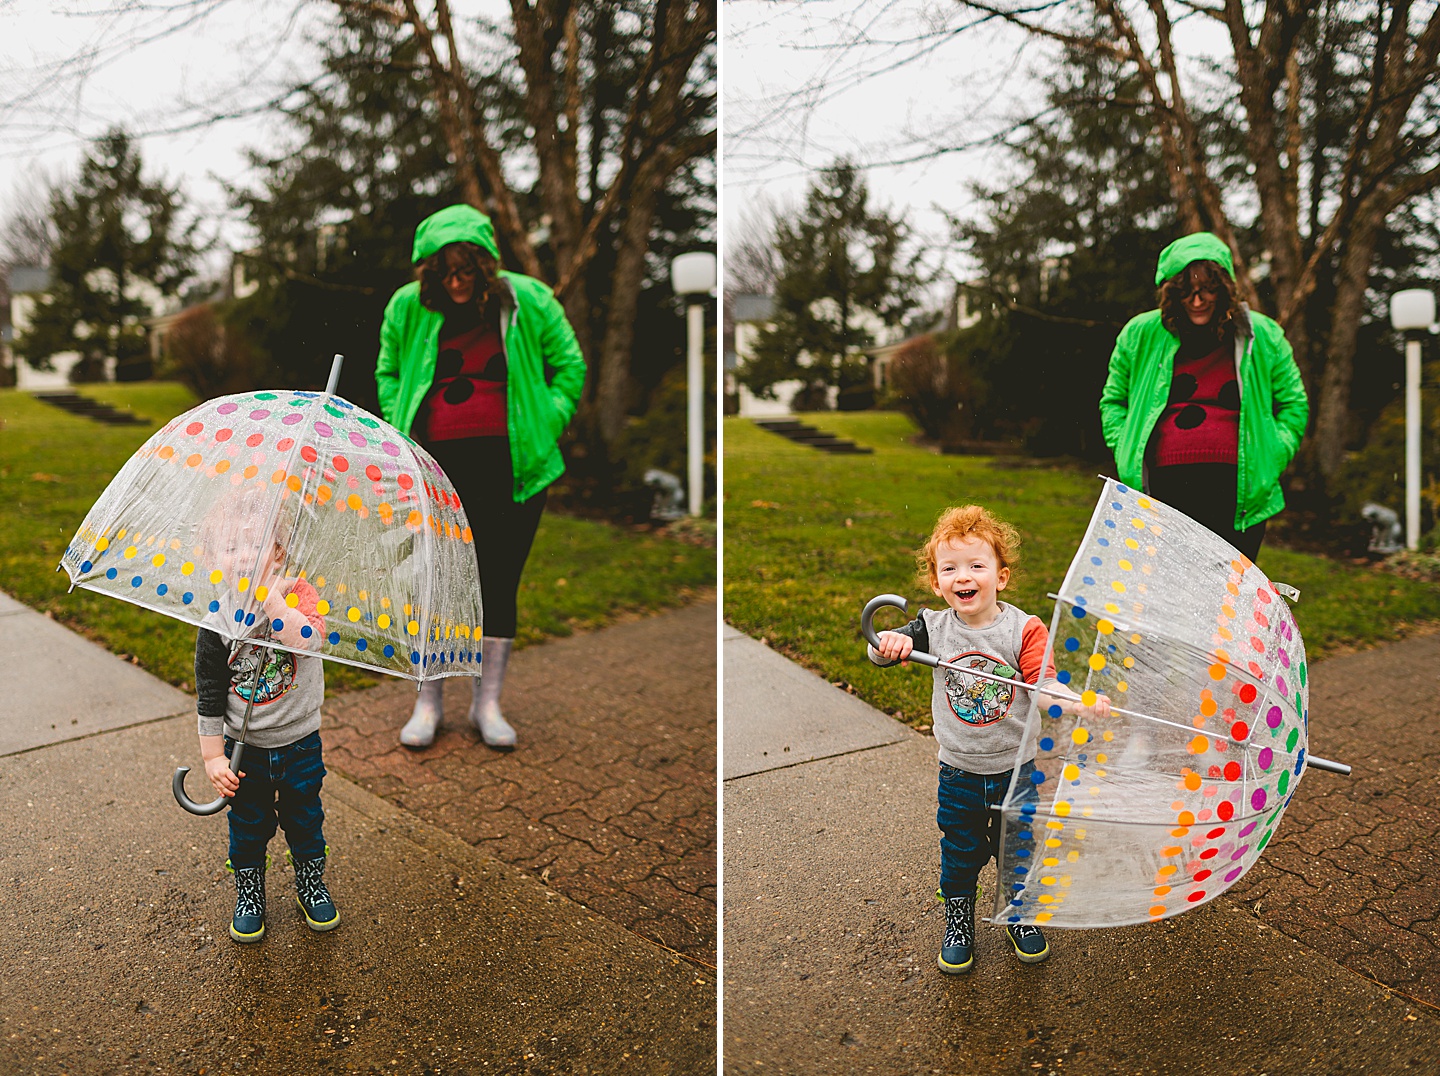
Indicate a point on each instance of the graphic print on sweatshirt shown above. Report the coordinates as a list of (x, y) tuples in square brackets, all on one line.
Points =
[(276, 678), (974, 700)]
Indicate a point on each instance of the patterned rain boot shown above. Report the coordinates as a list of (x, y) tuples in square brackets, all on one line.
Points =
[(419, 731), (485, 712), (248, 923), (311, 894), (1030, 944), (957, 951)]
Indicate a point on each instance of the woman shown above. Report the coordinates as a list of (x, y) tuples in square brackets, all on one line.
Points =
[(480, 367), (1204, 406)]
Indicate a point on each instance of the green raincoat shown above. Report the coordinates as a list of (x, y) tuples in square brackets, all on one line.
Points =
[(1273, 405), (546, 369)]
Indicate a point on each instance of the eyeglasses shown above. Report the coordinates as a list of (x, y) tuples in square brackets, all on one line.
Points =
[(461, 274), (1203, 294)]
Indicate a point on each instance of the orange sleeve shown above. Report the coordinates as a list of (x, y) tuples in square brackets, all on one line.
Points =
[(1032, 652), (308, 598)]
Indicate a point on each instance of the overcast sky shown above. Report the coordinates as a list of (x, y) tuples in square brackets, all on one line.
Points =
[(898, 85), (885, 83), (190, 78)]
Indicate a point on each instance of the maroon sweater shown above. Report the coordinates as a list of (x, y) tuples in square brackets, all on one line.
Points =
[(1201, 421), (467, 397)]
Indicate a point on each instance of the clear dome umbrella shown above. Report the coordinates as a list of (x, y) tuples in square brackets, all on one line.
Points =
[(243, 494), (1166, 803)]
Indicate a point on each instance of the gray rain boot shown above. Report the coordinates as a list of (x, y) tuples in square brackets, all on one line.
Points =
[(419, 731), (485, 712)]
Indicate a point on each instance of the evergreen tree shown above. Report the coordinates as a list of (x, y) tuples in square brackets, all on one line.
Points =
[(119, 248), (362, 165), (843, 267), (1067, 245), (368, 158)]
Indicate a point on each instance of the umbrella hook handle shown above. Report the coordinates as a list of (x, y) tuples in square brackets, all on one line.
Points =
[(867, 627), (177, 783)]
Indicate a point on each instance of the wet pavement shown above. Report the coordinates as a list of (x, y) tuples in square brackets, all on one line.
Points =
[(114, 903), (1322, 961), (610, 796), (1354, 871)]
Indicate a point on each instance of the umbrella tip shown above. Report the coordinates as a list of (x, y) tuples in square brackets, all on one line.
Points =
[(334, 381)]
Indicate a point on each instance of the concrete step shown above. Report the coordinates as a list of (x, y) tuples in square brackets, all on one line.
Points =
[(87, 408), (804, 434)]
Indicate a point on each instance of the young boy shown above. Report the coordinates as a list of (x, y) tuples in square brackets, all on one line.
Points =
[(979, 724), (282, 769)]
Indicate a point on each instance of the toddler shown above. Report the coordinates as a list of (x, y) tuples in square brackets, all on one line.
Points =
[(282, 768), (979, 724)]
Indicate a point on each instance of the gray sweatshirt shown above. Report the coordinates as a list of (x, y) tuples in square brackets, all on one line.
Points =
[(292, 686), (979, 724)]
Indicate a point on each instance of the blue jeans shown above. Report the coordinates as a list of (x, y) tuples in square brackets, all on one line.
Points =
[(969, 824), (281, 787)]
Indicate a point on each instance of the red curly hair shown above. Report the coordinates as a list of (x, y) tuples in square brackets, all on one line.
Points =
[(968, 521)]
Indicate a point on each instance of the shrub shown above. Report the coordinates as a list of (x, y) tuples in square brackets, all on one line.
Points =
[(207, 356), (917, 383)]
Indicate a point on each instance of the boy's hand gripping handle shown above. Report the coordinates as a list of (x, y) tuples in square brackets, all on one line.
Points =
[(867, 628), (177, 783)]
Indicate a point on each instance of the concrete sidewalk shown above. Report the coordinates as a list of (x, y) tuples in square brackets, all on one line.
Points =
[(116, 905), (831, 926)]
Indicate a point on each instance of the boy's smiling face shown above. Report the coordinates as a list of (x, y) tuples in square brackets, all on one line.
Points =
[(969, 578), (241, 545)]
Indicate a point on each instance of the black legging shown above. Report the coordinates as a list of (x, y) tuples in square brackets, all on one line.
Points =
[(482, 474), (1206, 492)]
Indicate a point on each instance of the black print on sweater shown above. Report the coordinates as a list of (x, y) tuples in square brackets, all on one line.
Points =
[(1182, 387), (448, 366)]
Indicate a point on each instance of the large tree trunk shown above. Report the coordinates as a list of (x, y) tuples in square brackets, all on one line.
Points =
[(614, 384), (540, 29), (1332, 415), (654, 144)]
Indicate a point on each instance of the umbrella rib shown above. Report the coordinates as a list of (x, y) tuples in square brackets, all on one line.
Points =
[(1060, 691), (429, 537)]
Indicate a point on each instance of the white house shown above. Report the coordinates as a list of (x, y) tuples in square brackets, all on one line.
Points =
[(29, 282), (961, 312), (751, 315)]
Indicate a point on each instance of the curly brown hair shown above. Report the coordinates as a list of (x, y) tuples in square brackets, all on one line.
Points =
[(1172, 294), (968, 521), (431, 273)]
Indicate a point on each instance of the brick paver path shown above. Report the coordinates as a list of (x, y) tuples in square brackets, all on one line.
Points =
[(1354, 869), (610, 796)]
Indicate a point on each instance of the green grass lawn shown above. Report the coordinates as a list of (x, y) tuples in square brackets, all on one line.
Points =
[(810, 537), (581, 574)]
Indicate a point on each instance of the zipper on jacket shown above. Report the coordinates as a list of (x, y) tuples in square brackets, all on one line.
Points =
[(507, 312), (1240, 353)]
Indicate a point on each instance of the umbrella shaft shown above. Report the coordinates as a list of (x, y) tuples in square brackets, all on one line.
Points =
[(1069, 695), (262, 657)]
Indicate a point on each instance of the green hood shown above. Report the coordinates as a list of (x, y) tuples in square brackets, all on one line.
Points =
[(453, 224), (1198, 247)]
